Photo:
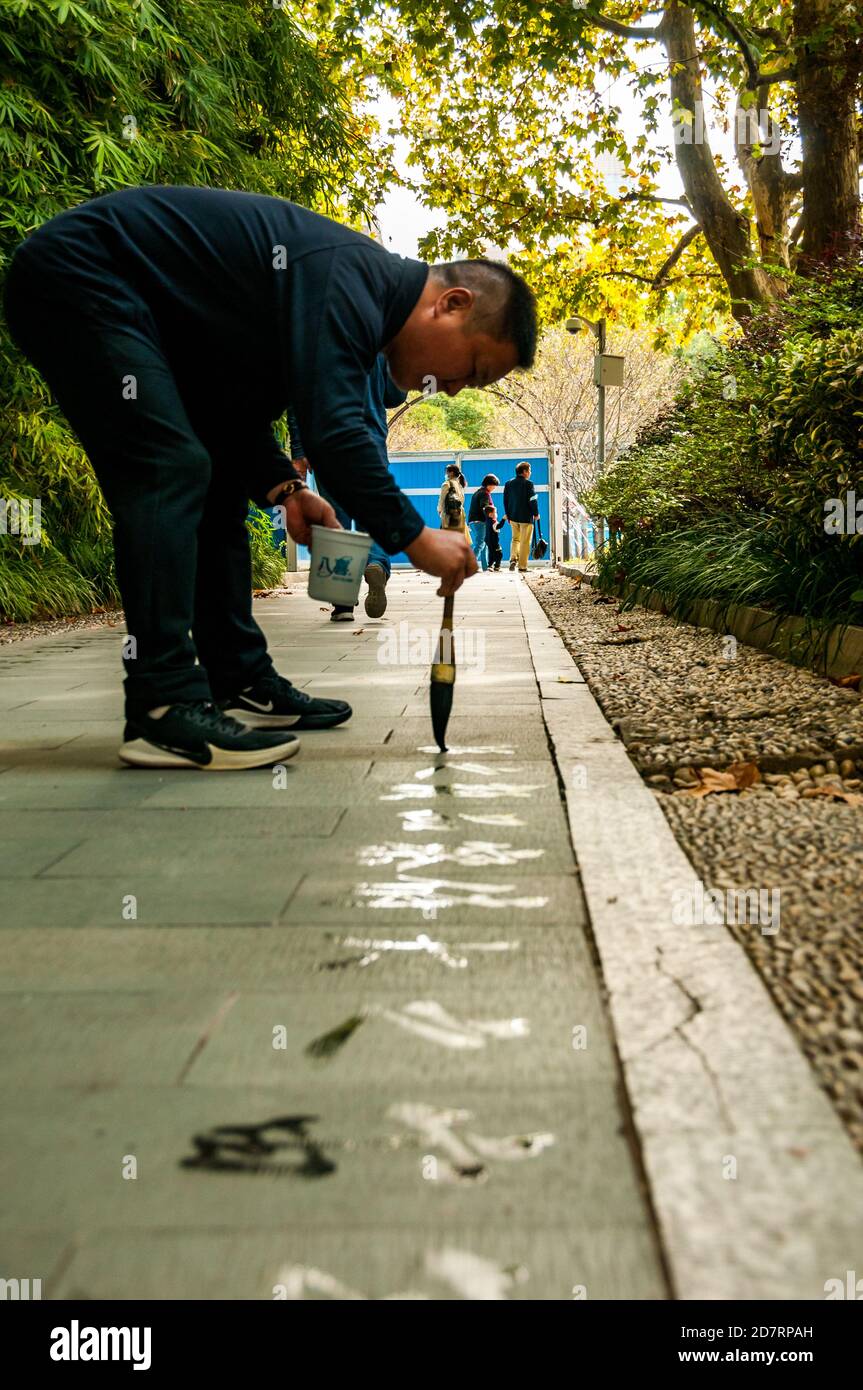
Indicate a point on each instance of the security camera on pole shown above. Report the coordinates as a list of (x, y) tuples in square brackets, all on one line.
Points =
[(607, 371)]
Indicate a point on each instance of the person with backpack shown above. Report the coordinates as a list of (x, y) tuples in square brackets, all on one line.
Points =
[(521, 510), (450, 507)]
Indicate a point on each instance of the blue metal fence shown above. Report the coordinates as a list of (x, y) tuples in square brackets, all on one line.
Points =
[(420, 476)]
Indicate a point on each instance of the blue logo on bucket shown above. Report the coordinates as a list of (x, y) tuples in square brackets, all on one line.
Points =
[(336, 569)]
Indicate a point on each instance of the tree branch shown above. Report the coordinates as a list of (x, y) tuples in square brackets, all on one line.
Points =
[(623, 31), (653, 198), (754, 77), (651, 279), (734, 32), (687, 239), (769, 79), (796, 231)]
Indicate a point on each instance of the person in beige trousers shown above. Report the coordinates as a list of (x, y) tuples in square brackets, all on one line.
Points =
[(521, 510)]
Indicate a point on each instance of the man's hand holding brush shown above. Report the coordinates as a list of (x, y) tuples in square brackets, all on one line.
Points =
[(444, 554)]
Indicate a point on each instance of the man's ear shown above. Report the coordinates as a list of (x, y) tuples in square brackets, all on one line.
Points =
[(457, 299)]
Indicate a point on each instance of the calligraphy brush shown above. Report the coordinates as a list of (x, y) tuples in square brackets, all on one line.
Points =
[(443, 677)]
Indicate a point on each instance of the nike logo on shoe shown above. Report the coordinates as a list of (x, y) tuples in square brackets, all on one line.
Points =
[(256, 704), (203, 755)]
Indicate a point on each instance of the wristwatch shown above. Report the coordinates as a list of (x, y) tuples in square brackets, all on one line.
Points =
[(295, 485)]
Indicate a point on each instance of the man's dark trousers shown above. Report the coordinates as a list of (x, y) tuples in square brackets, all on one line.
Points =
[(169, 477)]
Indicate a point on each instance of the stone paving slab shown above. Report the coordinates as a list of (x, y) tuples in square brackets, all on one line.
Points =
[(442, 1260), (352, 1156), (452, 960), (139, 822), (400, 1038), (418, 900), (158, 901), (304, 782), (800, 1230), (163, 853), (111, 1038), (476, 847), (49, 788), (453, 770), (474, 731)]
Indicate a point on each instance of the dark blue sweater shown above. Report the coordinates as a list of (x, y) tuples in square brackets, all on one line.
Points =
[(258, 303), (519, 500)]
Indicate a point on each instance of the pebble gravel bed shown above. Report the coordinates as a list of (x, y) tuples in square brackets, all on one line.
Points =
[(52, 627), (114, 617), (684, 698)]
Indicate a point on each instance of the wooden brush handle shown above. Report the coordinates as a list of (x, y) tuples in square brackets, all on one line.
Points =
[(443, 666)]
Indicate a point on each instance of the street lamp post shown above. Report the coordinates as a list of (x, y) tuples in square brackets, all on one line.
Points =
[(575, 325)]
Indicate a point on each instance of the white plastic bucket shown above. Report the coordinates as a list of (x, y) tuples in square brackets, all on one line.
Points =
[(337, 565)]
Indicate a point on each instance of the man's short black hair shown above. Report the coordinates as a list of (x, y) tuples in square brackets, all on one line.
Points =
[(521, 468), (505, 304)]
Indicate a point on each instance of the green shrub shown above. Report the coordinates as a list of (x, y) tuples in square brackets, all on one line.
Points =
[(100, 94), (692, 461), (268, 560), (723, 495), (811, 426)]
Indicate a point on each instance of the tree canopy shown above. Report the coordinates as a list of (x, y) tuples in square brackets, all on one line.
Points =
[(546, 127)]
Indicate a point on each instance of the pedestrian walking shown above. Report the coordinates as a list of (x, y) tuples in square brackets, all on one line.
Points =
[(492, 539), (521, 510), (450, 507)]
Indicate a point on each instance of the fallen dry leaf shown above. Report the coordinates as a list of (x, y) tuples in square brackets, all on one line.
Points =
[(358, 631), (847, 682), (838, 793), (736, 778)]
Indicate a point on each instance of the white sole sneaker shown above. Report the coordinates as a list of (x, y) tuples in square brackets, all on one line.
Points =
[(263, 721), (140, 753)]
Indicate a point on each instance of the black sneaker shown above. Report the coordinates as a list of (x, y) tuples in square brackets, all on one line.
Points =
[(198, 734), (341, 615), (273, 703), (376, 599)]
